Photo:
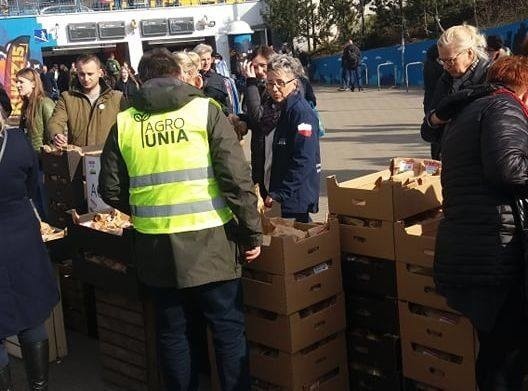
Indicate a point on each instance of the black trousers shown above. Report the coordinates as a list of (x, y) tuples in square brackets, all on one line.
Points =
[(503, 353)]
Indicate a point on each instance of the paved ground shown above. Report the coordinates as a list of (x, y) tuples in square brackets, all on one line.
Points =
[(364, 130)]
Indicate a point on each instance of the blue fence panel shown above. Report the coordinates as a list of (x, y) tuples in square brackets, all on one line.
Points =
[(328, 69)]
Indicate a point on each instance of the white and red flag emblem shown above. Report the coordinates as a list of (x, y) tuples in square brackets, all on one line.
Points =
[(304, 130)]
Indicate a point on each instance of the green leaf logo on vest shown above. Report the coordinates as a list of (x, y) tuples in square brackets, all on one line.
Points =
[(162, 131)]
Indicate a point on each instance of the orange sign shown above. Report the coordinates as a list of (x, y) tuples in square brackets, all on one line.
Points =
[(17, 57)]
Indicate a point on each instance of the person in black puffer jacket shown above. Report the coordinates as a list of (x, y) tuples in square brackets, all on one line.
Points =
[(479, 256), (462, 54)]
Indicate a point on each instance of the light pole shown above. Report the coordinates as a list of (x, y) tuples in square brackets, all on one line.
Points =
[(402, 42)]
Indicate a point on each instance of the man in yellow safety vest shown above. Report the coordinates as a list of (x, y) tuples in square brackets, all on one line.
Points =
[(174, 163)]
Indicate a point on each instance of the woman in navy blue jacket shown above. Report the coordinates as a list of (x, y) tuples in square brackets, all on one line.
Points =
[(28, 289), (293, 153)]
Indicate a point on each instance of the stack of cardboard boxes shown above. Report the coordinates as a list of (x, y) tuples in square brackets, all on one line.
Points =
[(437, 343), (295, 315), (369, 209)]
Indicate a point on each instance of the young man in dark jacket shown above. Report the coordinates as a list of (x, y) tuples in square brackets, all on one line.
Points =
[(174, 163)]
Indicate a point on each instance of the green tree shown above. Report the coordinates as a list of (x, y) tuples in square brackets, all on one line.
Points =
[(282, 17)]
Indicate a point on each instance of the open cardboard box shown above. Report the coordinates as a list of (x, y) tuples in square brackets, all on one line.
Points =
[(66, 163), (415, 243), (377, 242), (441, 369), (285, 255), (115, 247), (380, 196), (286, 294), (291, 333), (437, 329), (416, 285), (336, 379), (299, 369)]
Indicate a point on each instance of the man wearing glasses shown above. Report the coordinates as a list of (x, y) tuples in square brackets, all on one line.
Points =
[(462, 54)]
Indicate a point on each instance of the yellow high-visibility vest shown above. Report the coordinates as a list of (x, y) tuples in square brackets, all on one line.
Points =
[(172, 183)]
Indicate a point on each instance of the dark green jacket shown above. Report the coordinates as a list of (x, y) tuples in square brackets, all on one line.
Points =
[(39, 135), (191, 258)]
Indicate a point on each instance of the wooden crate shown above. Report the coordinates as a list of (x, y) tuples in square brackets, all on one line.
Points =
[(78, 302), (58, 347), (127, 342)]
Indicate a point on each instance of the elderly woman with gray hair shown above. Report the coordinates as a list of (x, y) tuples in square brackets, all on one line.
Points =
[(292, 158), (462, 53)]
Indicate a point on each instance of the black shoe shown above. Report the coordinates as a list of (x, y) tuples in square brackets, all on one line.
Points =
[(5, 379), (36, 361)]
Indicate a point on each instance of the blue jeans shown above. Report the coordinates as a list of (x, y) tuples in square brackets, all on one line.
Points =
[(35, 334), (351, 78), (221, 304)]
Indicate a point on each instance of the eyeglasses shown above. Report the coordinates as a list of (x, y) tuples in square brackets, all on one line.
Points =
[(278, 83), (450, 61)]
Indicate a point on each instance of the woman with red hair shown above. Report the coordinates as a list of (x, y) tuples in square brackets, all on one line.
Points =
[(479, 251)]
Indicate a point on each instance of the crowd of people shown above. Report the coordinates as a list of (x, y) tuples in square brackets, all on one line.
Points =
[(172, 160)]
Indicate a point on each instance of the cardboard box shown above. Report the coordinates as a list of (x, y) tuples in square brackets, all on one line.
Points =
[(440, 369), (377, 242), (415, 243), (291, 333), (292, 292), (284, 255), (377, 196), (364, 378), (92, 167), (336, 379), (301, 368), (97, 252), (445, 331), (87, 239), (369, 275), (372, 313), (380, 351), (416, 285), (413, 385)]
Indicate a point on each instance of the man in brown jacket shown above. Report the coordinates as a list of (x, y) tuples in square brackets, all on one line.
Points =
[(85, 114)]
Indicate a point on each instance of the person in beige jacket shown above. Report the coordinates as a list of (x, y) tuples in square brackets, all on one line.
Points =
[(85, 114)]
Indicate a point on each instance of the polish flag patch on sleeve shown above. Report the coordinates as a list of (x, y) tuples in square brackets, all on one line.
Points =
[(304, 130)]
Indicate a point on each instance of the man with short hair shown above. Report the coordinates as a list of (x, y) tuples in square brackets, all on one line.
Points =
[(214, 83), (88, 110), (174, 163)]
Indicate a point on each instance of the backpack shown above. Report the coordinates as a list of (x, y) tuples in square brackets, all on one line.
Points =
[(351, 56)]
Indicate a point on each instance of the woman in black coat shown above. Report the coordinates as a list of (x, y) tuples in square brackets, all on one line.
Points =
[(127, 84), (461, 53), (479, 257), (28, 289)]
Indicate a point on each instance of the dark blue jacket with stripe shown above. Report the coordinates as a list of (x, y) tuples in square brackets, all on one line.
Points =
[(296, 166)]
